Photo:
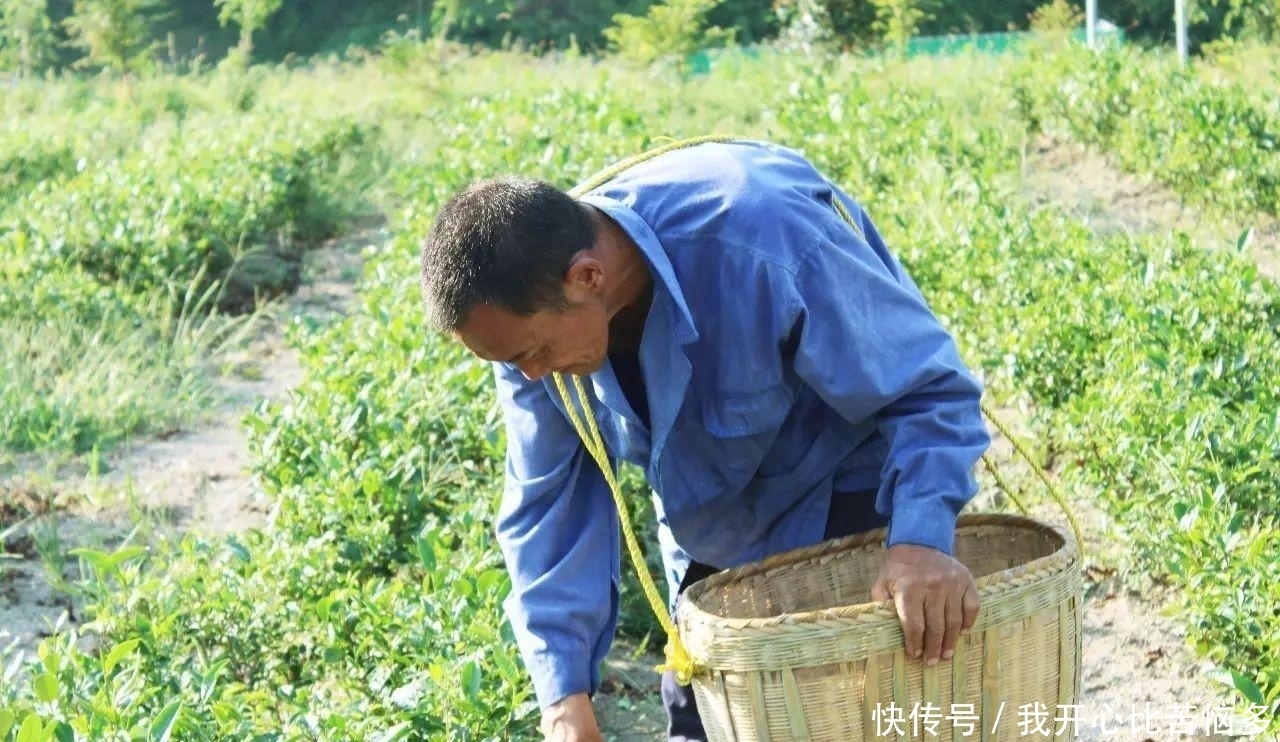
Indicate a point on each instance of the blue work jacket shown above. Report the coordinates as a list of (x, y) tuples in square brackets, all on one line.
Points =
[(785, 357)]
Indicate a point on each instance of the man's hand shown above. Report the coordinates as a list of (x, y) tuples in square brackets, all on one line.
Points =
[(571, 720), (935, 595)]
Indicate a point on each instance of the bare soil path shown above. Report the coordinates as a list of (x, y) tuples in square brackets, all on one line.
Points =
[(1084, 182), (196, 480)]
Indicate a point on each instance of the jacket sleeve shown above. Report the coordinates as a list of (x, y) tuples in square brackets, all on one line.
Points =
[(869, 345), (557, 528)]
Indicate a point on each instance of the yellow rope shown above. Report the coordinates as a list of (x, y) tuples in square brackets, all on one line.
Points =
[(1002, 485), (678, 658), (1044, 478), (608, 173)]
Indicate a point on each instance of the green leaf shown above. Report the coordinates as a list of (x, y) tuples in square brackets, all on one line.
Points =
[(30, 730), (1257, 548), (238, 550), (52, 660), (117, 653), (471, 680), (124, 554), (209, 680), (370, 483), (1242, 242), (162, 726), (506, 665), (46, 687), (108, 563), (7, 720), (1247, 688), (64, 733), (426, 554), (1234, 679), (1188, 520), (99, 560), (398, 732), (490, 579)]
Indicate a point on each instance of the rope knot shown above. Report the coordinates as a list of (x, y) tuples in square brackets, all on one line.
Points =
[(679, 662)]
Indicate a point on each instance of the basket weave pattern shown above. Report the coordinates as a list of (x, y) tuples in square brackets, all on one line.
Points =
[(794, 650)]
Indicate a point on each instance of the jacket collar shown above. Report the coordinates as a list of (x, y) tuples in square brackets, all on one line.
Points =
[(664, 362), (665, 277)]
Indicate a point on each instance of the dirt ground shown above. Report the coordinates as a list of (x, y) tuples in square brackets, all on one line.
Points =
[(199, 480), (195, 480), (1083, 182)]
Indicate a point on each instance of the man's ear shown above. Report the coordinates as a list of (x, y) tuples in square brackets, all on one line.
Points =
[(584, 279)]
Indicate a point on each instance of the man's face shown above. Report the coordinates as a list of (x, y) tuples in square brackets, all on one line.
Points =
[(573, 341)]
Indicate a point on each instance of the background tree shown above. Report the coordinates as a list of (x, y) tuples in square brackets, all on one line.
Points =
[(26, 34), (676, 28), (115, 34), (1054, 22), (249, 16), (897, 21), (278, 29), (851, 22), (1056, 17), (1257, 20)]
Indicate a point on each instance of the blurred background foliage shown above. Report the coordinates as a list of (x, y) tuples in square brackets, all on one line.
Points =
[(180, 35)]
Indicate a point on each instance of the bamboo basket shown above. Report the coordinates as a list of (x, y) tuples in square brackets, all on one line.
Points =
[(790, 649)]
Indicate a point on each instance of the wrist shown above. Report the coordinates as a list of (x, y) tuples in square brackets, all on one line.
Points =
[(571, 720)]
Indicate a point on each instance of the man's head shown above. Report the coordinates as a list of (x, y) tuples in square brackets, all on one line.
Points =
[(509, 270)]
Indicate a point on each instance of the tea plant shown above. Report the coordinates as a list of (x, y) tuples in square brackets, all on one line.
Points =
[(370, 607), (1206, 136)]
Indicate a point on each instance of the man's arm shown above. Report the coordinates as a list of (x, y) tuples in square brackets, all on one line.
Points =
[(557, 531), (866, 341)]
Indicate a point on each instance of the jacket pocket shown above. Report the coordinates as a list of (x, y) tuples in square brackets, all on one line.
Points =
[(746, 415)]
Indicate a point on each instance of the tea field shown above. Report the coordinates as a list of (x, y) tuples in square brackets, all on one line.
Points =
[(139, 223)]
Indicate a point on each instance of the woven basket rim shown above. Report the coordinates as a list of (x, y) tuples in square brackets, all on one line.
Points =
[(1064, 557)]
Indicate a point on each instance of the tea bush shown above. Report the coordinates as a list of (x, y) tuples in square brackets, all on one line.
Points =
[(192, 203), (370, 606), (1209, 138)]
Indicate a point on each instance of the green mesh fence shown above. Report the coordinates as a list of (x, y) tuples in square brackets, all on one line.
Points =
[(701, 62)]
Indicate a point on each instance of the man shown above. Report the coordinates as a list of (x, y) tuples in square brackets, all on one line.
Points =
[(770, 366)]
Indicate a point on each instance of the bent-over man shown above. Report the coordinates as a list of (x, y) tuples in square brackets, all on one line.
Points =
[(767, 362)]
